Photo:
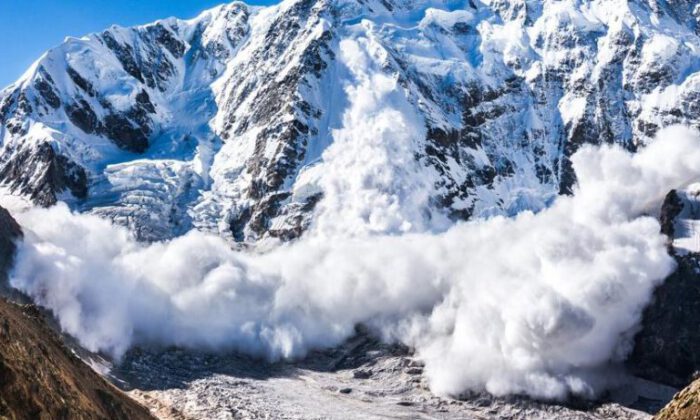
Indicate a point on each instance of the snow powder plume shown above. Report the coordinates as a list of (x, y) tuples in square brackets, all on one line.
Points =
[(536, 304), (370, 179)]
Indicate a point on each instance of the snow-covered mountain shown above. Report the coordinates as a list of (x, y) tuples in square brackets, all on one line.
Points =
[(361, 116)]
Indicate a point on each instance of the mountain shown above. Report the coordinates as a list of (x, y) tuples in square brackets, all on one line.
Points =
[(351, 118), (254, 123)]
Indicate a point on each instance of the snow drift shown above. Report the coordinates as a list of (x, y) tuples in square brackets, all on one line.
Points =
[(534, 304)]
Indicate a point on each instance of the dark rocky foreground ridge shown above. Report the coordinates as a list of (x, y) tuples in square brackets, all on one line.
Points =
[(40, 377), (667, 347)]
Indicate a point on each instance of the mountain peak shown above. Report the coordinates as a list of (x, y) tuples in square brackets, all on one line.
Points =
[(234, 112)]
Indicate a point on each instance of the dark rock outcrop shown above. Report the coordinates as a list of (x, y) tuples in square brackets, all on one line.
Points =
[(666, 349), (671, 208), (10, 232), (42, 174)]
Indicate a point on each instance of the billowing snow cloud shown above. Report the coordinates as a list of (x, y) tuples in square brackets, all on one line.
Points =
[(535, 304), (369, 176)]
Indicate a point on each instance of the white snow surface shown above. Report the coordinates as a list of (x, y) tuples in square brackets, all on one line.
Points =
[(228, 153)]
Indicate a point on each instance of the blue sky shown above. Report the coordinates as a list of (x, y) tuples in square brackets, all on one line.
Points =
[(30, 27)]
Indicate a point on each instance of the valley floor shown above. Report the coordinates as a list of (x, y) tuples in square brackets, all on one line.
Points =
[(361, 380)]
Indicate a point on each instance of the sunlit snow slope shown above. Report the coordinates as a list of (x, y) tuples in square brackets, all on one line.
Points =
[(362, 116)]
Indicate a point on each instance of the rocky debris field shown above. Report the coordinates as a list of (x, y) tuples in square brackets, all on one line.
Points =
[(363, 379)]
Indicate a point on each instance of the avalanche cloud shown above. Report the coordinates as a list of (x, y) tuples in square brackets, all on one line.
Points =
[(535, 304)]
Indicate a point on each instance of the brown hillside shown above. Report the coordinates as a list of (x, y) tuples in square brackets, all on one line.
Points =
[(40, 378), (684, 406)]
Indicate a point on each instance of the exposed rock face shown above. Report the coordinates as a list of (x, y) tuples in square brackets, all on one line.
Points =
[(10, 232), (40, 378), (211, 123), (42, 174), (666, 349), (670, 209), (684, 406)]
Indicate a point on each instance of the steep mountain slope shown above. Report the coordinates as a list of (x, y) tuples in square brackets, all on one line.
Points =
[(239, 121), (42, 379)]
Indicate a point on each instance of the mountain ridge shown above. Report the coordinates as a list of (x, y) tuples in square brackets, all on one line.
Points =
[(225, 122)]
